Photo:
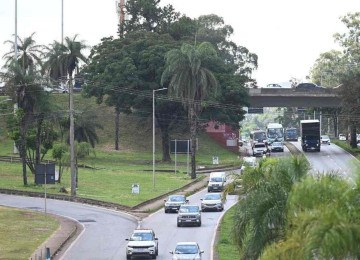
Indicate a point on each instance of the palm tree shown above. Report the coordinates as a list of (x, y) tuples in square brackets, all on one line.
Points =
[(260, 217), (189, 78), (24, 88), (55, 69), (323, 221), (72, 55), (29, 52)]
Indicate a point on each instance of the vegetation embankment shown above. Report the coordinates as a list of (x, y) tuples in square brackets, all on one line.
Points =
[(286, 214), (19, 241), (112, 172), (347, 147)]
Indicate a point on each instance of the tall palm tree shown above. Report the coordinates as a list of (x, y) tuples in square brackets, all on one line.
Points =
[(29, 53), (24, 88), (72, 55), (188, 77), (55, 69)]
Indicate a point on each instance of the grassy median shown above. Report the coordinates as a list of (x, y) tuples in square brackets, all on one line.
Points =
[(226, 247), (22, 232)]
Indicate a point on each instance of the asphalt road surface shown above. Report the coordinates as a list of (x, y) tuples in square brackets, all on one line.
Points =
[(331, 159), (104, 230), (165, 227)]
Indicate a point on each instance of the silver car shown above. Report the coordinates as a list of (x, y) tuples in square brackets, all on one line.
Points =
[(212, 201), (142, 243), (174, 202), (186, 251)]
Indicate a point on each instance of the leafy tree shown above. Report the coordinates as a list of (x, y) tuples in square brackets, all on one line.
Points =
[(24, 88), (187, 78)]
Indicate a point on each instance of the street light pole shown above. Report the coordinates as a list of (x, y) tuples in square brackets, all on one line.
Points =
[(153, 106)]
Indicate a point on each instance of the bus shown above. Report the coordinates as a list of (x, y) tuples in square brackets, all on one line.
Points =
[(257, 136), (291, 134), (275, 132)]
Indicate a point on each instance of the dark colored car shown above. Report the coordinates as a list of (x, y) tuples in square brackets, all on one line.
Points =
[(189, 215), (174, 202)]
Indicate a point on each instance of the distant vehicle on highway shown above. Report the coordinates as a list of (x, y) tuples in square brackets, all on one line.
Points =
[(277, 147), (187, 250), (273, 86), (212, 201), (325, 139), (260, 149), (189, 215), (142, 243), (342, 137), (291, 134), (308, 86), (174, 202), (216, 181)]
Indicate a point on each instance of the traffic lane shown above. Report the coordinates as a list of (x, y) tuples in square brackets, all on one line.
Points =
[(104, 230), (331, 159), (165, 227)]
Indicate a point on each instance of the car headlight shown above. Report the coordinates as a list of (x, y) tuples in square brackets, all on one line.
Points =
[(129, 249)]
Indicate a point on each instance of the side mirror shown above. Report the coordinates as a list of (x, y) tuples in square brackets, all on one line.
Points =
[(201, 199), (126, 239), (165, 200), (171, 252), (156, 238), (202, 251)]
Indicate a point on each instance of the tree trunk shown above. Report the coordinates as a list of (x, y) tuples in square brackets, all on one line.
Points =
[(193, 128), (353, 143), (335, 122), (117, 128), (165, 146), (22, 152)]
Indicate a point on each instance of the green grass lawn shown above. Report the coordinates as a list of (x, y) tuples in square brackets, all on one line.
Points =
[(226, 247), (21, 240)]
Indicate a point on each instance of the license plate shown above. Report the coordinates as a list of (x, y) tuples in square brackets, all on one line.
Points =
[(188, 220), (140, 250)]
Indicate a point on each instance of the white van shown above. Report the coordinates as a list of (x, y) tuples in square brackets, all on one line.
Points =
[(216, 181)]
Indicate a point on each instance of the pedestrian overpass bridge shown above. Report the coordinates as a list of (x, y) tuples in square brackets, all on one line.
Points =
[(292, 97)]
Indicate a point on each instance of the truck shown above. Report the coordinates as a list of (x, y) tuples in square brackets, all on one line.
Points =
[(310, 135)]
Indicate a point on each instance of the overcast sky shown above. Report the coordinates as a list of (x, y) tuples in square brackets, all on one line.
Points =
[(287, 35)]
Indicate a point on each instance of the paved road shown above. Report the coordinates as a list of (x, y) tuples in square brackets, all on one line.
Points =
[(105, 230), (169, 234), (104, 233), (331, 158)]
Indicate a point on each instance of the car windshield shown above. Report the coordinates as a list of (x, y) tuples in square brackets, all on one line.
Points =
[(189, 209), (216, 179), (324, 137), (259, 145), (212, 196), (186, 249), (138, 236), (176, 198)]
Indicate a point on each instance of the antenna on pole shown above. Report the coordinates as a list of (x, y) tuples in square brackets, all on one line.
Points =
[(120, 10)]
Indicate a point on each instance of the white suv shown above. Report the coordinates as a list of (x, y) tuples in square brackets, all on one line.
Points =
[(142, 243)]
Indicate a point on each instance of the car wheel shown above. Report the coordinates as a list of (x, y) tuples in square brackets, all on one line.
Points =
[(153, 256), (128, 256), (157, 251), (178, 224), (166, 211), (199, 225)]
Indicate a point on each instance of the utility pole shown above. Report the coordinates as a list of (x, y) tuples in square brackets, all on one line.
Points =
[(72, 150), (62, 21)]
